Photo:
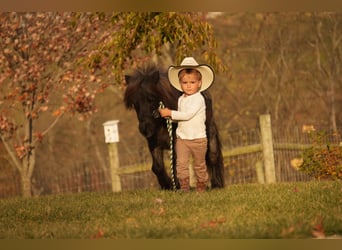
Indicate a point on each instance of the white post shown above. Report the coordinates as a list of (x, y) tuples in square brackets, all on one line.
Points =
[(111, 132), (267, 148)]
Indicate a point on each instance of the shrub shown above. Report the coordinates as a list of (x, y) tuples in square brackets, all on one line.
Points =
[(322, 160)]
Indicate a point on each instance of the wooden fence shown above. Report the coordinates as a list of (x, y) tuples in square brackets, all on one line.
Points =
[(260, 155), (263, 161)]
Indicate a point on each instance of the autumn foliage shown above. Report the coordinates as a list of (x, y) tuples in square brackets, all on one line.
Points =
[(322, 160), (43, 70)]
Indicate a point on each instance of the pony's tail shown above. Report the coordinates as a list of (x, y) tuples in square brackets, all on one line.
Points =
[(214, 157)]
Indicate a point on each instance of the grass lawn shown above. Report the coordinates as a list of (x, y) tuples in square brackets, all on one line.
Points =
[(282, 210)]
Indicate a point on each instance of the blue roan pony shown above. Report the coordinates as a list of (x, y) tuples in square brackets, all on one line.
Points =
[(146, 87)]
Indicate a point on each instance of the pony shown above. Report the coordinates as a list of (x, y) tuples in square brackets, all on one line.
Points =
[(146, 87)]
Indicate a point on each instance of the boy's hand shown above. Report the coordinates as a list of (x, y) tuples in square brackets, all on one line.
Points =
[(165, 112)]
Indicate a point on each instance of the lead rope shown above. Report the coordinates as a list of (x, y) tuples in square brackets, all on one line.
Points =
[(169, 130)]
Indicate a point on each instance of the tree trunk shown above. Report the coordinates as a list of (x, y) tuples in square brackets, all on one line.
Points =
[(26, 184), (26, 171), (24, 166)]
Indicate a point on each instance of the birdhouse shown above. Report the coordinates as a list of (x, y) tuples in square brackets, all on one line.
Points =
[(111, 131)]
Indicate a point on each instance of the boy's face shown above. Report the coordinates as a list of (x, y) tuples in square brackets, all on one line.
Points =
[(190, 83)]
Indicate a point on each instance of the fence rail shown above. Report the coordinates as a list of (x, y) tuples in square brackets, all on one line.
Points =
[(238, 151)]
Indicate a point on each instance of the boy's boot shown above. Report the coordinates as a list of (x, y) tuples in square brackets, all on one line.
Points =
[(184, 185), (201, 187)]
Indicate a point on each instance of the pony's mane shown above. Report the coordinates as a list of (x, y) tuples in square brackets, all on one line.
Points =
[(150, 74)]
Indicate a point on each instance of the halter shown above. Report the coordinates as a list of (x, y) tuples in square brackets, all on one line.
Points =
[(169, 130)]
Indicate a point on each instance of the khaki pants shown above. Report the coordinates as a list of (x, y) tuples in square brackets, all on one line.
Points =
[(196, 149)]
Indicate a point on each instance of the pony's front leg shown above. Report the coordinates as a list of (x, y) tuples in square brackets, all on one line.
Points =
[(158, 168)]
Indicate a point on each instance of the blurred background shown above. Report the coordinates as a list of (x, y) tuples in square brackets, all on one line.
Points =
[(287, 65)]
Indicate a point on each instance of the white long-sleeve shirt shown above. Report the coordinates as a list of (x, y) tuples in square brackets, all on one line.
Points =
[(190, 116)]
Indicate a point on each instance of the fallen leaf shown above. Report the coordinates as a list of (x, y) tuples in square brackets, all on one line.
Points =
[(159, 211), (158, 201), (99, 234), (213, 223), (318, 230)]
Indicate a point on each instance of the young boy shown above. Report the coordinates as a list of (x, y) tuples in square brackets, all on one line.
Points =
[(190, 78)]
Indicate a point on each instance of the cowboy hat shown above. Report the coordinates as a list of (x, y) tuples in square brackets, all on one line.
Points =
[(190, 63)]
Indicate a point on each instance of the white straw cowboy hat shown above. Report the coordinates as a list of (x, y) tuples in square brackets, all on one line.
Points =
[(190, 63)]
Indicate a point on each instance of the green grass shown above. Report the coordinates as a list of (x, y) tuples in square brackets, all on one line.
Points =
[(286, 210)]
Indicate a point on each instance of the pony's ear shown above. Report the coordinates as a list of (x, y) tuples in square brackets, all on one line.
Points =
[(127, 79), (155, 76)]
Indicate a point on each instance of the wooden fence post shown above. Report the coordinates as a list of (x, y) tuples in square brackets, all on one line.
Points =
[(267, 148), (260, 172), (111, 132)]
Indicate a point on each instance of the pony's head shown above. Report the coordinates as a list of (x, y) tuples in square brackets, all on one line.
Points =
[(146, 87)]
